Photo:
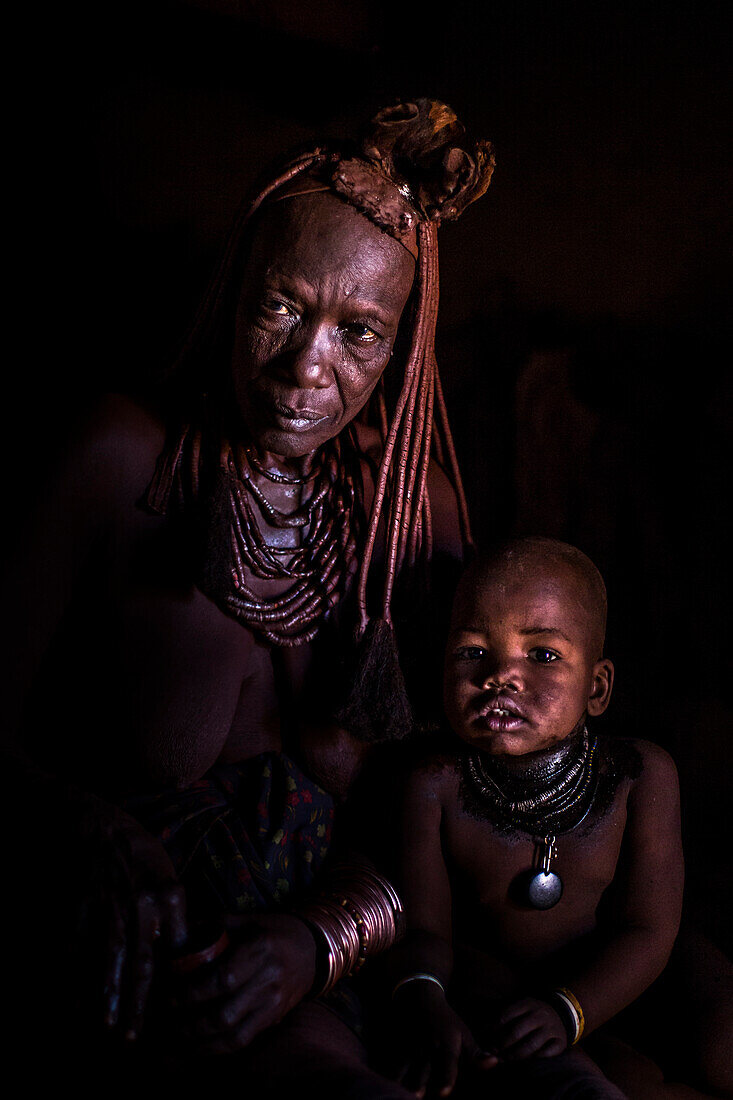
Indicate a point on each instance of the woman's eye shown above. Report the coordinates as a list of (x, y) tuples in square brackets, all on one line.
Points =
[(362, 334), (543, 656), (470, 653), (274, 305)]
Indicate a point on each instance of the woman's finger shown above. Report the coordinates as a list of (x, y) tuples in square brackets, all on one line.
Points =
[(231, 1041), (173, 923), (247, 1026), (116, 958), (141, 965), (233, 969), (223, 1016)]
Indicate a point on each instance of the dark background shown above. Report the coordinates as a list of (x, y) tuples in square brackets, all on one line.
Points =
[(584, 316)]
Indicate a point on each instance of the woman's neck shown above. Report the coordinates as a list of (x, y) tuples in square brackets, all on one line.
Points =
[(296, 468)]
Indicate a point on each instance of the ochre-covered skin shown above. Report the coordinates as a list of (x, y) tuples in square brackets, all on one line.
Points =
[(150, 681), (324, 291)]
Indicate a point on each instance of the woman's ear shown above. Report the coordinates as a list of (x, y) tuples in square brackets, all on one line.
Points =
[(601, 687)]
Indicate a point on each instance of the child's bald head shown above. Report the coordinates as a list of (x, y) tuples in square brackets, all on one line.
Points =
[(534, 556), (524, 662)]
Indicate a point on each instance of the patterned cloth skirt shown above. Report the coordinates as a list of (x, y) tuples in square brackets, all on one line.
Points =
[(245, 837)]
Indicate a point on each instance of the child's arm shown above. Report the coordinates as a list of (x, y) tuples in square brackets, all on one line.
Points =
[(432, 1037), (647, 895), (636, 939)]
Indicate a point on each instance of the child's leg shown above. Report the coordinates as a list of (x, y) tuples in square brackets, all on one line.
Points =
[(569, 1076), (312, 1053), (683, 1022), (637, 1075)]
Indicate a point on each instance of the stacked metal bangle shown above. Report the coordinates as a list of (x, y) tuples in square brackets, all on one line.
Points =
[(359, 914)]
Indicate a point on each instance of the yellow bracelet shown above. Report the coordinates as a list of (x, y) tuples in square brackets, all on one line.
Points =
[(573, 1004)]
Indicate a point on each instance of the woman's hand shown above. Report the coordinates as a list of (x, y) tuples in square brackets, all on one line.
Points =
[(432, 1039), (268, 969), (530, 1028), (140, 912)]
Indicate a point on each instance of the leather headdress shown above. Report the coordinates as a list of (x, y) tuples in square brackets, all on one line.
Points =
[(411, 165)]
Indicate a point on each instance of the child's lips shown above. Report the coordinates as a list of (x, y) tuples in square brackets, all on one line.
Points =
[(500, 716)]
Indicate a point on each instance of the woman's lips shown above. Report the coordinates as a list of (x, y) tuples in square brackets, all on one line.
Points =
[(296, 420), (290, 418)]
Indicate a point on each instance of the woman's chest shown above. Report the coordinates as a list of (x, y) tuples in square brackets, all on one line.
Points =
[(192, 667)]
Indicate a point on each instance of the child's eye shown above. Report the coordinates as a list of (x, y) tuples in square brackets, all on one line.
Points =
[(470, 653), (543, 656)]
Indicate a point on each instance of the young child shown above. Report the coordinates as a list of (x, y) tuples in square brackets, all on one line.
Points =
[(541, 863)]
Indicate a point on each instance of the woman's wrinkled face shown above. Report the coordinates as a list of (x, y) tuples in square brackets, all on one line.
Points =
[(323, 293)]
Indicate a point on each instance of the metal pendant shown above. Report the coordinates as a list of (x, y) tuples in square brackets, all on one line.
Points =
[(544, 891), (544, 888)]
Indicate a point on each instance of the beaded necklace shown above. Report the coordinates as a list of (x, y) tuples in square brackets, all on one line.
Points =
[(318, 567)]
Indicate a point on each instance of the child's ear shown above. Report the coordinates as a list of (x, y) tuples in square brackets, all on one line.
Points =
[(601, 687)]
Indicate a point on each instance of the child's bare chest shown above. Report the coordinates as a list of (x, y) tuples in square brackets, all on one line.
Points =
[(491, 870)]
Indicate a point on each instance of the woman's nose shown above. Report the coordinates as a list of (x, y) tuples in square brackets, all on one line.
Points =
[(308, 362)]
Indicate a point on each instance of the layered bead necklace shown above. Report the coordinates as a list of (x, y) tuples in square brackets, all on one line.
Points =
[(317, 567), (552, 796)]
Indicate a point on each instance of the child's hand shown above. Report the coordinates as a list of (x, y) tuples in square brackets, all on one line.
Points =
[(432, 1040), (530, 1028)]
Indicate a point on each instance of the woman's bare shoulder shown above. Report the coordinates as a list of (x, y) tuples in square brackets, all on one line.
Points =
[(444, 510), (120, 426), (113, 444)]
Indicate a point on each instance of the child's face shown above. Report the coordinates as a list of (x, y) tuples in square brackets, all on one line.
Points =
[(520, 671)]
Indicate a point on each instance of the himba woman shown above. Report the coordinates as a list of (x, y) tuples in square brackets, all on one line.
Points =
[(208, 593)]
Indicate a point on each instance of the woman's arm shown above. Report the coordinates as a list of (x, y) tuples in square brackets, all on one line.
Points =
[(277, 959), (63, 536)]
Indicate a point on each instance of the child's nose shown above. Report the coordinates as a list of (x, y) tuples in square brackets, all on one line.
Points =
[(501, 672)]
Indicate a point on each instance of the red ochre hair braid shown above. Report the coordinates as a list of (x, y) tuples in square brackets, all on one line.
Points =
[(408, 445)]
